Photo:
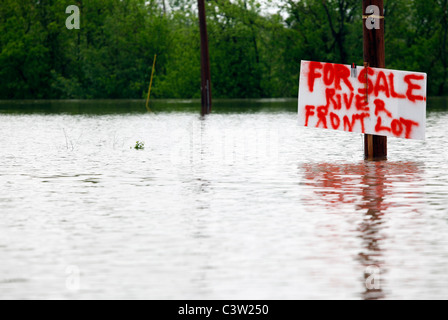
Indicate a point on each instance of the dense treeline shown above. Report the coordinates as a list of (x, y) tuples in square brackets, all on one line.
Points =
[(253, 53)]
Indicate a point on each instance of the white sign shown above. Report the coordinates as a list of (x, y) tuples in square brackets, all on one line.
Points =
[(364, 100)]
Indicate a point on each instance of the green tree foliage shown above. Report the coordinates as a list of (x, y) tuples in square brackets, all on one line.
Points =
[(416, 39), (253, 52)]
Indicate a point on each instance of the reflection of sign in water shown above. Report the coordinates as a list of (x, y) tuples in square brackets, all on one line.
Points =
[(365, 100), (376, 189), (336, 184)]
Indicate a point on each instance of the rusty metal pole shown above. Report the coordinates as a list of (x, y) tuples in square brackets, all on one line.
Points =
[(375, 147), (206, 83)]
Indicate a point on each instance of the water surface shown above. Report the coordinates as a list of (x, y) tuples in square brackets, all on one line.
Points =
[(239, 205)]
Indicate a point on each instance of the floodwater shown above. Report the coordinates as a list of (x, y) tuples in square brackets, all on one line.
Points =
[(242, 204)]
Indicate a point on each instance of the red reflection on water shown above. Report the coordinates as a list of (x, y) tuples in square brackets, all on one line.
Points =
[(369, 186), (349, 183)]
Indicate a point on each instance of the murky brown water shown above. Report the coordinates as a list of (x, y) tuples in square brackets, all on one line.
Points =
[(236, 206)]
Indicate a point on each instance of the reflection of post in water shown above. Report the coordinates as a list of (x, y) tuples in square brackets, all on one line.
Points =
[(374, 193), (378, 181), (368, 186)]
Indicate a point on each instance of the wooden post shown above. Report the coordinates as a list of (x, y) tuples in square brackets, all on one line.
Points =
[(375, 147), (150, 83), (206, 83)]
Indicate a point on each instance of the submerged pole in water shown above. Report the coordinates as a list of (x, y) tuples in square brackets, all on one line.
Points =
[(375, 147), (206, 83), (150, 84)]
